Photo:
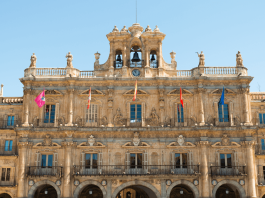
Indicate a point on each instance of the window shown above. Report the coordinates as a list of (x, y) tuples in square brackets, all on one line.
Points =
[(136, 160), (91, 161), (264, 172), (226, 160), (223, 113), (49, 114), (46, 161), (181, 160), (5, 174), (180, 113), (92, 114), (262, 144), (10, 120), (262, 118), (8, 145), (136, 113)]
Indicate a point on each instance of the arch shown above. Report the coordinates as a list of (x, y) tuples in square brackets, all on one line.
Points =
[(133, 183), (193, 188), (240, 189), (33, 189), (81, 186), (8, 193)]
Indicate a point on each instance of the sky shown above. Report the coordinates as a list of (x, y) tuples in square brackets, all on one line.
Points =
[(51, 28)]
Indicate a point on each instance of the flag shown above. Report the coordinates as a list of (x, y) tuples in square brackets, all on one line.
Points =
[(181, 99), (135, 91), (89, 98), (222, 99), (40, 100)]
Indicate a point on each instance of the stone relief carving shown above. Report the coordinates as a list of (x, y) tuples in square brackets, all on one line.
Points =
[(225, 142), (47, 141), (104, 120), (52, 92), (153, 120), (93, 92), (177, 91), (219, 91), (33, 60), (91, 140), (136, 142), (118, 118), (136, 139), (180, 142), (139, 92)]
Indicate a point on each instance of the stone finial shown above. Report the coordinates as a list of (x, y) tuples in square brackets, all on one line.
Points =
[(148, 29), (2, 90), (33, 60), (239, 60), (69, 57), (202, 58), (115, 29), (124, 29), (156, 29), (172, 55)]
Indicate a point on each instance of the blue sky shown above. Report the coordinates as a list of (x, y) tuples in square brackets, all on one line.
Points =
[(50, 29)]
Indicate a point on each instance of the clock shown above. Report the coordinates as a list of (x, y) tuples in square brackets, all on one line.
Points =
[(136, 72)]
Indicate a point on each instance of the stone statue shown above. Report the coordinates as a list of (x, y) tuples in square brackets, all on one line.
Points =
[(69, 57), (202, 58), (33, 60), (239, 60)]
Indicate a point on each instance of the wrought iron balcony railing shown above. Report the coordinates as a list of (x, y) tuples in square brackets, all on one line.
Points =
[(136, 170), (228, 170), (8, 150), (9, 124), (7, 180), (45, 171)]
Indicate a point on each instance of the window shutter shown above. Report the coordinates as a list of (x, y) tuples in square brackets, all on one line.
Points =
[(127, 160), (146, 160), (172, 159), (82, 159), (38, 159), (56, 114), (55, 159), (100, 159)]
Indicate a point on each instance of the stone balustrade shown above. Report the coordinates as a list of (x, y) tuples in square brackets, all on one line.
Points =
[(86, 74), (184, 73), (209, 71), (11, 100), (257, 96)]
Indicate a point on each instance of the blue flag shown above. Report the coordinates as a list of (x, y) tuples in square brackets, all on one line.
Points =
[(222, 99)]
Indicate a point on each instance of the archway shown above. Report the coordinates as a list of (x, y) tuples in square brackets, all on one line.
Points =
[(91, 191), (86, 186), (227, 191), (136, 189), (187, 187), (5, 195), (45, 191), (263, 196), (180, 191), (41, 185), (235, 186)]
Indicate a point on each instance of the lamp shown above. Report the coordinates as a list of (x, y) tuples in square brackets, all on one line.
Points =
[(46, 191), (90, 192), (181, 191), (227, 191)]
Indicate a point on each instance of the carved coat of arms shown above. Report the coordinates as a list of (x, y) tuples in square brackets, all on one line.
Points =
[(91, 140), (181, 140), (136, 139)]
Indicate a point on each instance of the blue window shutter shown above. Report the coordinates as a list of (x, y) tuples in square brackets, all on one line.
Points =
[(9, 121), (6, 145), (43, 160), (50, 160), (260, 118), (10, 145), (262, 144)]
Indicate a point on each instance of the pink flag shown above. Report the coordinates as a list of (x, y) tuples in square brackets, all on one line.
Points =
[(40, 100)]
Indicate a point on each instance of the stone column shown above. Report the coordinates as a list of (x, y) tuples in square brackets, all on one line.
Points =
[(204, 169), (245, 105), (70, 122), (160, 57), (109, 188), (67, 187), (201, 108), (251, 168), (124, 54), (111, 54), (26, 110), (110, 108), (147, 56), (22, 151)]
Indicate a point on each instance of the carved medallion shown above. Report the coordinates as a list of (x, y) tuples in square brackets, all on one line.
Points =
[(136, 139), (181, 140)]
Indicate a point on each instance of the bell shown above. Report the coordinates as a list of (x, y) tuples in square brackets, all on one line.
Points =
[(135, 57), (153, 57), (118, 58)]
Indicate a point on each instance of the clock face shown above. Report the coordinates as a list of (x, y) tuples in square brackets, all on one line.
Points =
[(136, 72)]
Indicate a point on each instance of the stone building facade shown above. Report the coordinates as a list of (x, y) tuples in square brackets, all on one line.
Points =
[(119, 148)]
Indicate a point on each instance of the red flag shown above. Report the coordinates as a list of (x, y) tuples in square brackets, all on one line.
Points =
[(181, 99), (89, 98), (135, 91), (40, 100)]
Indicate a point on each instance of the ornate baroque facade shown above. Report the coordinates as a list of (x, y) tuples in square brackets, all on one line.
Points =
[(120, 148)]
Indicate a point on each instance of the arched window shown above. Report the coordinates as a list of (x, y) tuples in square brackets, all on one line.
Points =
[(153, 59), (136, 57), (223, 113), (118, 63)]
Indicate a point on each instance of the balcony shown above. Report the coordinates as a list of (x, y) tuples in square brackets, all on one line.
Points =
[(9, 124), (8, 151), (135, 170), (228, 170), (7, 181), (56, 171)]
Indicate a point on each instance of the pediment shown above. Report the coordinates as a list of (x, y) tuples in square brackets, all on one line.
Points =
[(131, 145), (177, 92), (139, 92), (232, 144), (95, 145), (219, 91), (94, 92), (176, 145), (40, 144), (52, 92)]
